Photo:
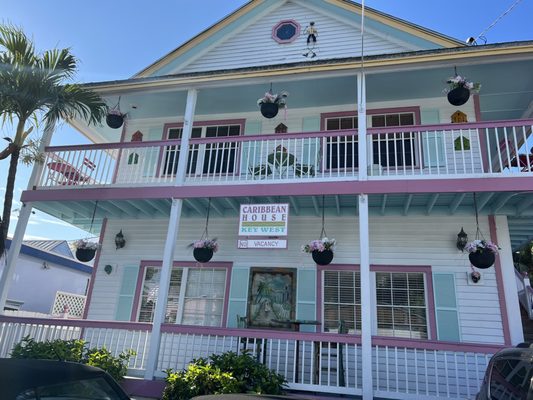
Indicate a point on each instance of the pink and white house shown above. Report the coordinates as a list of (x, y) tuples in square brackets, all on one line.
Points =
[(371, 147)]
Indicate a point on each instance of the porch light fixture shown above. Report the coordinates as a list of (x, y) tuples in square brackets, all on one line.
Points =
[(120, 242), (462, 240)]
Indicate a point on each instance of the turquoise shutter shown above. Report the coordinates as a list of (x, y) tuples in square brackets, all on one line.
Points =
[(432, 142), (311, 124), (446, 307), (306, 297), (127, 292), (238, 295)]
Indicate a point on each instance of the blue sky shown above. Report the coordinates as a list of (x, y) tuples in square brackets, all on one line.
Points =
[(116, 39)]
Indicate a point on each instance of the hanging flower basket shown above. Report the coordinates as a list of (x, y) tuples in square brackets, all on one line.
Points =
[(482, 260), (204, 249), (114, 119), (459, 90), (482, 253), (85, 249), (458, 96), (322, 257), (270, 103), (269, 110), (85, 255), (202, 255), (321, 250)]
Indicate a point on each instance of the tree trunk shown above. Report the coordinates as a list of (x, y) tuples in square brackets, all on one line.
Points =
[(8, 198)]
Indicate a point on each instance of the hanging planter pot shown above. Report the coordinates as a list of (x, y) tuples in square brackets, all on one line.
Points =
[(482, 260), (202, 255), (269, 110), (85, 255), (114, 120), (458, 96), (322, 257)]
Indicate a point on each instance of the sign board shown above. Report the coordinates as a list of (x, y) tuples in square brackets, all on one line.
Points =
[(262, 244), (263, 219)]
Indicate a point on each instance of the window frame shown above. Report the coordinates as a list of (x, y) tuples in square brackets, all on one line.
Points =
[(199, 159), (227, 266), (324, 117), (428, 292)]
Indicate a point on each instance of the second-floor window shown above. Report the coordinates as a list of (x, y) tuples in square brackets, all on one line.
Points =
[(388, 150), (210, 158)]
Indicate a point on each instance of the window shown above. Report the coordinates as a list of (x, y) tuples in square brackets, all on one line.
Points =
[(210, 158), (195, 297), (401, 304), (342, 301), (286, 31), (389, 150)]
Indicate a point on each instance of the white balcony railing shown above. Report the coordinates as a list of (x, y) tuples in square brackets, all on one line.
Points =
[(437, 151), (318, 362)]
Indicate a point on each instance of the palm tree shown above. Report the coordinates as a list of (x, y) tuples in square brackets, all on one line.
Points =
[(33, 92)]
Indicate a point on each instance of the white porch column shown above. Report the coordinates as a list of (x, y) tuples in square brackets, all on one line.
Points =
[(22, 223), (501, 228), (170, 243), (361, 127), (366, 299)]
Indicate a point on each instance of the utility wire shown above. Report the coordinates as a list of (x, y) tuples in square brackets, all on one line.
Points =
[(482, 34)]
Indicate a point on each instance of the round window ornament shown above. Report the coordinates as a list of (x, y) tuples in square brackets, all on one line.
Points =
[(286, 31)]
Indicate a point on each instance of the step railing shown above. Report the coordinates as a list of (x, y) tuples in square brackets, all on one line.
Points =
[(525, 292), (431, 151)]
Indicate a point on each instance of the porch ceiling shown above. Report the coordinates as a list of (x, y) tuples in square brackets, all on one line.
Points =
[(506, 93), (517, 205)]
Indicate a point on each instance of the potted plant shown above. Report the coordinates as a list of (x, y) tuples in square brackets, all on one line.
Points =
[(459, 90), (482, 253), (270, 103), (321, 250), (203, 249), (85, 249), (114, 118)]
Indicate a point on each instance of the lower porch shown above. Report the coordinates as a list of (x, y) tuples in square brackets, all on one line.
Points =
[(327, 363)]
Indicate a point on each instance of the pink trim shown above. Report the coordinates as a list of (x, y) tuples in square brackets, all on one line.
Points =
[(392, 110), (82, 323), (436, 345), (283, 22), (425, 269), (499, 283), (95, 269), (260, 333), (459, 185), (190, 264)]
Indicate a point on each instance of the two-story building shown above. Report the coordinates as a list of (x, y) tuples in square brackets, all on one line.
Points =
[(367, 149)]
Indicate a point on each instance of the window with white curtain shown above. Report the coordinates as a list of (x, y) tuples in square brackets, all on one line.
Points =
[(196, 296)]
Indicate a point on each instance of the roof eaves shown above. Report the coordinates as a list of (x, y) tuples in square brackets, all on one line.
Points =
[(307, 64)]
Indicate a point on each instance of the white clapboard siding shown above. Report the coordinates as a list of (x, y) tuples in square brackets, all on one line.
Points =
[(254, 45), (411, 240)]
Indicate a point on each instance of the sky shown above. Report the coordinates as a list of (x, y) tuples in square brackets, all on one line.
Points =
[(116, 39)]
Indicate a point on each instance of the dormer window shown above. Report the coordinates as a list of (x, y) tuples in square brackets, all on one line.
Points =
[(286, 31)]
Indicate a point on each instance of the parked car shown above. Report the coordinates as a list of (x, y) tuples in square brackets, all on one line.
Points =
[(24, 379), (509, 375)]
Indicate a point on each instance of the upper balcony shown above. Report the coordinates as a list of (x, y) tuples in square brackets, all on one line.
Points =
[(474, 150)]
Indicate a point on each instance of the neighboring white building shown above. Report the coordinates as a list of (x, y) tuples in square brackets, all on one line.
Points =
[(43, 269)]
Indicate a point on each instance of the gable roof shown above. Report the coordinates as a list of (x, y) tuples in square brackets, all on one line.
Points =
[(417, 37), (60, 247)]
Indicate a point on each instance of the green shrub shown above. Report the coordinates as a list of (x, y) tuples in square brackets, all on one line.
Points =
[(225, 373), (74, 350)]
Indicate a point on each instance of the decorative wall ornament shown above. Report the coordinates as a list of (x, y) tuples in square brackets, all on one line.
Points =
[(312, 34), (120, 242), (461, 143), (286, 31), (462, 240), (459, 117), (137, 137)]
